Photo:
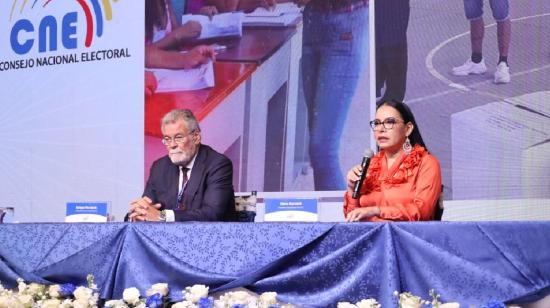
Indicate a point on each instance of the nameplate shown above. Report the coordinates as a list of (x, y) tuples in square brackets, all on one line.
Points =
[(87, 212), (291, 210)]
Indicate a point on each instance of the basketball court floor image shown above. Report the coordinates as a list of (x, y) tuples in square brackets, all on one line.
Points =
[(493, 141)]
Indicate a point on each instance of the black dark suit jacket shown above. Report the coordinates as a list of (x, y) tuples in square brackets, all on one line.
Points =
[(209, 195)]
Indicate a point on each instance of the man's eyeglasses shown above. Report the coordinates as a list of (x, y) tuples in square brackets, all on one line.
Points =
[(178, 139), (388, 123)]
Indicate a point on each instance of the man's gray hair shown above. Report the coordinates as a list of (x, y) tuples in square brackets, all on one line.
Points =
[(181, 114)]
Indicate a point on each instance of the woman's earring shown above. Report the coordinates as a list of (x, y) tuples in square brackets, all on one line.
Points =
[(407, 147)]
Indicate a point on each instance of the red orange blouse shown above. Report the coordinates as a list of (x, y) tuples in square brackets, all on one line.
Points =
[(407, 191)]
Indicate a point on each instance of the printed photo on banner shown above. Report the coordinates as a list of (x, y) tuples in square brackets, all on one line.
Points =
[(273, 90)]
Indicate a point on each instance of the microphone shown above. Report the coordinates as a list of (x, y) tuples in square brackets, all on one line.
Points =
[(364, 165)]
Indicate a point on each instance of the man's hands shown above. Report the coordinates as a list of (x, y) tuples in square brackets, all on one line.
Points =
[(143, 209)]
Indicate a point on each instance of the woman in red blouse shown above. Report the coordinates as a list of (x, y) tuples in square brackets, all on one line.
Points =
[(403, 180)]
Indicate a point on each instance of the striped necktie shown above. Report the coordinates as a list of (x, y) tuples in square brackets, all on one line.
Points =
[(181, 192)]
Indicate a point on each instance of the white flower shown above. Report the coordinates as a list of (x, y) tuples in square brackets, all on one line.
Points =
[(85, 297), (407, 300), (219, 304), (10, 302), (26, 300), (5, 292), (35, 289), (238, 298), (53, 291), (368, 303), (184, 304), (160, 288), (50, 303), (116, 303), (267, 299), (241, 297), (345, 305), (83, 294), (131, 295), (4, 300), (81, 303), (194, 293), (450, 305), (68, 303), (93, 301), (140, 305), (21, 286)]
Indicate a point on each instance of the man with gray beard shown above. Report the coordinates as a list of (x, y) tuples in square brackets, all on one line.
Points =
[(192, 183)]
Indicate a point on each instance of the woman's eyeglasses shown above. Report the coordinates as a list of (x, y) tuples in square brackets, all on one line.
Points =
[(388, 123)]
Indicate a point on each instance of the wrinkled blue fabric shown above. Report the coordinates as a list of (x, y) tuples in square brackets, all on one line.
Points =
[(308, 264)]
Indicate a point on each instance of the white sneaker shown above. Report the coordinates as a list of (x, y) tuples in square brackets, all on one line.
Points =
[(470, 68), (502, 74)]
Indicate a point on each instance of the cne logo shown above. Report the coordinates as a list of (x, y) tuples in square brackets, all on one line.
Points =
[(50, 31)]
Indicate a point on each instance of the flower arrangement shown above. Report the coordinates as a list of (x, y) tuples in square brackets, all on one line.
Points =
[(34, 295), (408, 300), (197, 297), (40, 296), (366, 303)]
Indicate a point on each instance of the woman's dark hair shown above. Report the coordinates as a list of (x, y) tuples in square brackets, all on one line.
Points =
[(155, 16), (407, 116)]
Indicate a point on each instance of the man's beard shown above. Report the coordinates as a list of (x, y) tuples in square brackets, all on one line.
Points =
[(180, 158)]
